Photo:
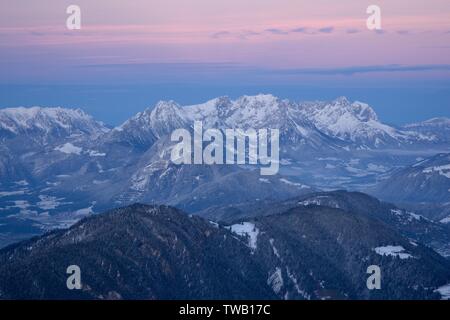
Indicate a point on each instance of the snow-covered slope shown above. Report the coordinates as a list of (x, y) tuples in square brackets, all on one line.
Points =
[(166, 117), (48, 121), (437, 128), (136, 132), (425, 181), (356, 122), (146, 127)]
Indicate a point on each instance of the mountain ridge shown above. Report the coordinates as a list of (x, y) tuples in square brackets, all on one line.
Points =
[(44, 119), (159, 252)]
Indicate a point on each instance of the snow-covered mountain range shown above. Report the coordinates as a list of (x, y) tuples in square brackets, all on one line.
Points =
[(357, 122), (56, 161), (54, 122), (354, 124)]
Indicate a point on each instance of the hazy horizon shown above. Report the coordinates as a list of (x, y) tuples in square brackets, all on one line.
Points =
[(127, 56)]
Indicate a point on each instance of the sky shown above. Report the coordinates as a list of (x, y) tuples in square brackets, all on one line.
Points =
[(130, 54)]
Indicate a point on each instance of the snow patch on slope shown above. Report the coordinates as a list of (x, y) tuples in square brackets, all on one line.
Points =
[(302, 186), (69, 148), (246, 229), (442, 170), (275, 281), (444, 291), (445, 220), (394, 251)]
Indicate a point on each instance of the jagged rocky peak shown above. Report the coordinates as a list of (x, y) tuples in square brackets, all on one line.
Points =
[(222, 105), (165, 117), (259, 111), (212, 113), (362, 111), (267, 102), (342, 100), (263, 110), (352, 121), (140, 121), (152, 123), (223, 101), (164, 109), (257, 100)]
